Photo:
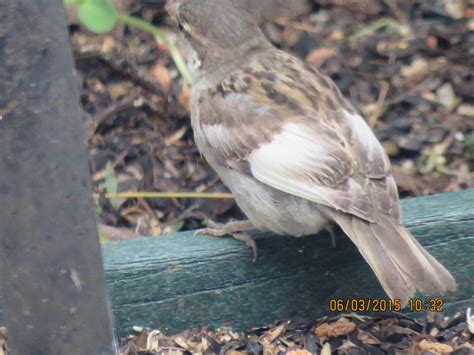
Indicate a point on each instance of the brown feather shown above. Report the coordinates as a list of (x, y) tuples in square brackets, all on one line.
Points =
[(401, 264)]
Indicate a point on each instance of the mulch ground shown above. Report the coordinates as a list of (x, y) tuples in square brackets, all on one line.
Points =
[(407, 65), (349, 334)]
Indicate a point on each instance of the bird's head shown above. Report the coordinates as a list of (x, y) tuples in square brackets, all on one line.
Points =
[(215, 29)]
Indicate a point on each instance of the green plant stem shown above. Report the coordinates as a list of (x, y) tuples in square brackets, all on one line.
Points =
[(145, 26), (374, 27), (205, 195)]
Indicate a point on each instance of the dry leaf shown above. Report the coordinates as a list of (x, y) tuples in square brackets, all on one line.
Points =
[(184, 98), (416, 69), (439, 348), (162, 75), (298, 352), (108, 44), (271, 335), (182, 343), (367, 338), (465, 110), (446, 96), (118, 90), (319, 55), (470, 320), (336, 329), (326, 350), (176, 136)]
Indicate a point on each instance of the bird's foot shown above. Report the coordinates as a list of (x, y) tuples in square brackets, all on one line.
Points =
[(215, 229), (233, 228)]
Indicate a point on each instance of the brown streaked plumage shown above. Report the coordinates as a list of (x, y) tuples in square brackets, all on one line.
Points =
[(295, 153)]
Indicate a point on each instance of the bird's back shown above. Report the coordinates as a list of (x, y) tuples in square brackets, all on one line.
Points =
[(272, 88)]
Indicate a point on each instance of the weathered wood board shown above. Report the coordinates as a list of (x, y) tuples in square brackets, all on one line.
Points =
[(181, 281)]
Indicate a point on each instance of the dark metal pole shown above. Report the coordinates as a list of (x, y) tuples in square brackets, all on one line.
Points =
[(50, 263)]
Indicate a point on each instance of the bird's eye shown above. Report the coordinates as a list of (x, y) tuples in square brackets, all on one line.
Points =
[(181, 27)]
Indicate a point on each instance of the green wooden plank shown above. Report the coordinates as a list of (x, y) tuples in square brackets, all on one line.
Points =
[(182, 281)]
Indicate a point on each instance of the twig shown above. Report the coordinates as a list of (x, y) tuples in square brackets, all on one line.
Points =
[(379, 106), (374, 27), (95, 121), (205, 195), (123, 66)]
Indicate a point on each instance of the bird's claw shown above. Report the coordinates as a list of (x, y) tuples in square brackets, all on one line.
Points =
[(215, 229), (249, 241)]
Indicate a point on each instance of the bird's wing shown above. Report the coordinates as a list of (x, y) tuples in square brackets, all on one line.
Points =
[(293, 141)]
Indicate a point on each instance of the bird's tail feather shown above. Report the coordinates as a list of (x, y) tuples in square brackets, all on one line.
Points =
[(400, 263)]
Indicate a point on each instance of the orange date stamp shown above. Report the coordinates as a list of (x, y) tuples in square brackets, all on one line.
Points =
[(384, 305), (364, 305)]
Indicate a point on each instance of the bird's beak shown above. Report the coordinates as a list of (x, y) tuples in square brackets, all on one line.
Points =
[(172, 7)]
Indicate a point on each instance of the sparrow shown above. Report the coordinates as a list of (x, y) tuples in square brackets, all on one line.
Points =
[(295, 153)]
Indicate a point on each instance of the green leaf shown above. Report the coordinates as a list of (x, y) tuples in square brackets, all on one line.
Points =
[(111, 182), (102, 237), (97, 15), (98, 208), (175, 227), (111, 186)]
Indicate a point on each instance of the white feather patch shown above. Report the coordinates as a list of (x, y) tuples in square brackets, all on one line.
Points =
[(289, 154), (300, 161)]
